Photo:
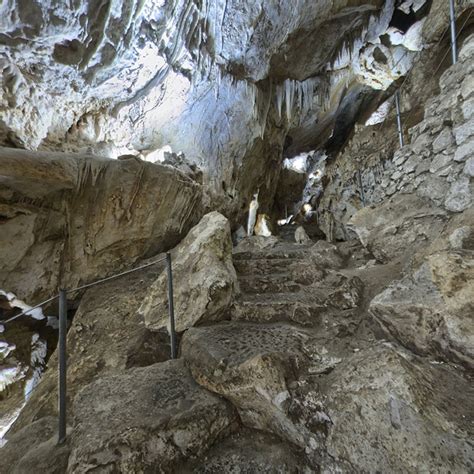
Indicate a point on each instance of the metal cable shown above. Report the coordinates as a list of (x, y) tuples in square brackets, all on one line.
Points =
[(88, 285), (29, 310), (116, 276)]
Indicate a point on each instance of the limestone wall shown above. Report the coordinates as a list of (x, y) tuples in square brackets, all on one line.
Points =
[(437, 164)]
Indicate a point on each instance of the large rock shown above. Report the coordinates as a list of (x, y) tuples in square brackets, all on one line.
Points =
[(71, 218), (248, 451), (106, 336), (399, 227), (250, 365), (386, 410), (145, 420), (34, 449), (430, 311), (204, 278)]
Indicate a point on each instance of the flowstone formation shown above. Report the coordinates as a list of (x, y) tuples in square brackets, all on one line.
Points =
[(225, 82), (323, 276)]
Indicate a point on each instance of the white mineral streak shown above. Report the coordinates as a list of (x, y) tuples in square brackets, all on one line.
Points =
[(380, 114), (14, 302)]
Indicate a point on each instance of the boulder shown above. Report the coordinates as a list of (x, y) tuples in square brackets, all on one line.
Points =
[(70, 218), (398, 227), (106, 336), (301, 237), (385, 409), (204, 278), (248, 451), (430, 311), (145, 419), (34, 449), (326, 255), (249, 364)]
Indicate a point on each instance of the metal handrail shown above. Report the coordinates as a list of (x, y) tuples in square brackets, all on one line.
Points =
[(62, 353)]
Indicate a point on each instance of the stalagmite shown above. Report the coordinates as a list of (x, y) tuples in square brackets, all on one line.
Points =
[(253, 208)]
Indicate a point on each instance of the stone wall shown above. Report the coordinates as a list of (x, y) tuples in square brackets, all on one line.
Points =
[(437, 165)]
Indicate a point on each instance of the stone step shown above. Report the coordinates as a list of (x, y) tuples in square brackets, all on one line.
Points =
[(291, 307), (273, 283), (288, 251), (301, 271)]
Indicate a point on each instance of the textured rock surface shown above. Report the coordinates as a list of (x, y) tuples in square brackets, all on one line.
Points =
[(203, 276), (106, 336), (68, 218), (431, 310), (248, 451), (386, 408), (398, 227), (430, 167), (250, 365), (224, 82), (148, 418)]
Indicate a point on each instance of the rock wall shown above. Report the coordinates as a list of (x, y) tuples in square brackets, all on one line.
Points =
[(68, 219), (436, 166), (224, 82)]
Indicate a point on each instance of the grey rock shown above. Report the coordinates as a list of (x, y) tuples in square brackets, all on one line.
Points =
[(468, 108), (469, 167), (459, 195), (460, 236), (421, 144), (398, 227), (428, 311), (204, 278), (434, 188), (464, 132), (147, 418), (439, 162), (443, 141), (465, 151), (34, 449), (301, 237), (401, 155), (411, 164), (242, 363), (386, 390)]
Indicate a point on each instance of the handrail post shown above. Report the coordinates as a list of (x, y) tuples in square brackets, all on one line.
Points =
[(399, 118), (62, 365), (452, 15), (171, 305)]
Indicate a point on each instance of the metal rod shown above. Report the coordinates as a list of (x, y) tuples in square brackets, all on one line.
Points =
[(62, 365), (399, 118), (171, 306), (452, 14)]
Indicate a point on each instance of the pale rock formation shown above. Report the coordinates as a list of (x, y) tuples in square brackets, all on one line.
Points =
[(252, 218), (263, 226), (430, 167), (210, 79), (204, 278), (398, 227), (71, 219), (431, 310), (301, 237)]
